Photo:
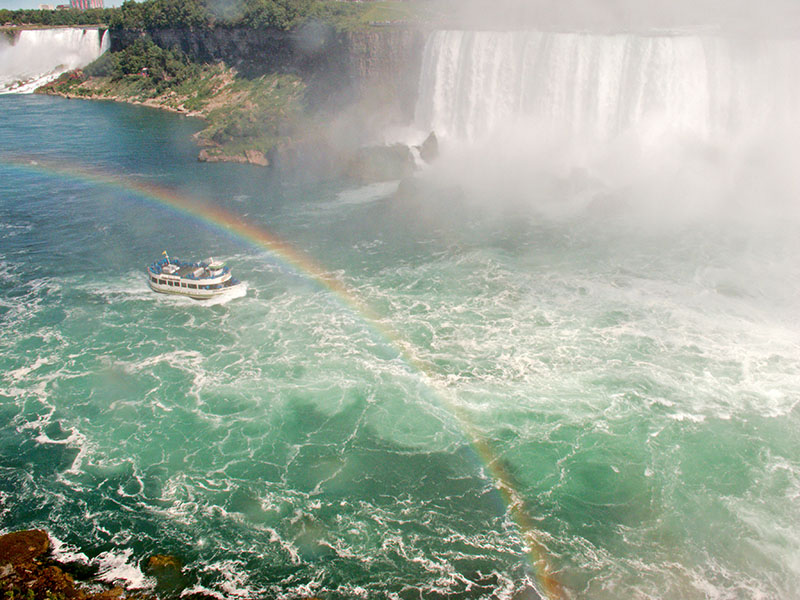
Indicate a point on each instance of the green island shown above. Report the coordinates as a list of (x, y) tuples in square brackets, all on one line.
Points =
[(270, 78)]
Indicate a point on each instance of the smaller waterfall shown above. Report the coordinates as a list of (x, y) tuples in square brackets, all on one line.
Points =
[(41, 55)]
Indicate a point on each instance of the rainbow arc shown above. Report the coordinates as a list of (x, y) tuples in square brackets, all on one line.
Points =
[(305, 266)]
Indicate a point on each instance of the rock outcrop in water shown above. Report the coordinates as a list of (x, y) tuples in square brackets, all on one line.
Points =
[(26, 570)]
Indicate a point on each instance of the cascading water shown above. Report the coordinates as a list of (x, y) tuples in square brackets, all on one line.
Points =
[(681, 123), (671, 157), (40, 55), (604, 85)]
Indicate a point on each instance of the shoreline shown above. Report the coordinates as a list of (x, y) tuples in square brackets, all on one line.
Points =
[(75, 85)]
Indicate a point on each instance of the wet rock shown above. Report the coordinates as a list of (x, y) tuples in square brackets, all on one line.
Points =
[(111, 594), (23, 546), (168, 571), (429, 149)]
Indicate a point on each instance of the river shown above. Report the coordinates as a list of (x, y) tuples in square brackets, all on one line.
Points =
[(621, 361)]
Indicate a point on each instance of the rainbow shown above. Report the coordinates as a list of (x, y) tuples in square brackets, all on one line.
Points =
[(298, 261)]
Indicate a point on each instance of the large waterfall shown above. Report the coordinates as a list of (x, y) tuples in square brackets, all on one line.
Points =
[(659, 128), (41, 55), (603, 85)]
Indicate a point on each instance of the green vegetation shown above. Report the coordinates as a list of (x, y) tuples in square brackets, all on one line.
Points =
[(199, 14), (270, 110), (160, 14), (256, 14), (241, 114), (274, 14), (56, 18), (163, 67)]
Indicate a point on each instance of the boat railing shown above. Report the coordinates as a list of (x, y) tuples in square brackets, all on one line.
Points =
[(157, 268)]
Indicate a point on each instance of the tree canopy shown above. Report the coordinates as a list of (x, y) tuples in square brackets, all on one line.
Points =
[(195, 14), (56, 18)]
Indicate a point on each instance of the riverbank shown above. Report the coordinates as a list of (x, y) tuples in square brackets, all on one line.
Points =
[(314, 94), (245, 119)]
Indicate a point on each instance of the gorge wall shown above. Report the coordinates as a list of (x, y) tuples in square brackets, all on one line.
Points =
[(380, 67)]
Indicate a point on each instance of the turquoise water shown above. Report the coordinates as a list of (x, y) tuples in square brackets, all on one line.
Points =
[(638, 384)]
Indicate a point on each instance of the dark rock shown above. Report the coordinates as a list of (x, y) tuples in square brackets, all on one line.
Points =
[(429, 150)]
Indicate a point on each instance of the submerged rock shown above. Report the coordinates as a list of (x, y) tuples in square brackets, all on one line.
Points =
[(168, 571)]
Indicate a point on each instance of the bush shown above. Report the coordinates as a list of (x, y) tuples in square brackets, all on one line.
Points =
[(161, 14), (102, 67), (93, 16), (162, 65), (275, 14)]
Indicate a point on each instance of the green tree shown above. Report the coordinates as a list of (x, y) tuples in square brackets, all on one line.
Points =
[(275, 14)]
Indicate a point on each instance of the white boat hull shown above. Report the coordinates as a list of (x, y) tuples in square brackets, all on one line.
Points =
[(201, 293)]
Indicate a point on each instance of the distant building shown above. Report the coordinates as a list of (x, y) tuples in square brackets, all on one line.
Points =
[(46, 7), (84, 4)]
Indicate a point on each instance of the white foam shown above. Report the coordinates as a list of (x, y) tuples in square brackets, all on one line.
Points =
[(237, 292), (116, 567), (234, 578), (65, 553)]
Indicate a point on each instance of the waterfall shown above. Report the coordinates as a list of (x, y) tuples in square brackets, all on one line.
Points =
[(604, 85), (38, 56)]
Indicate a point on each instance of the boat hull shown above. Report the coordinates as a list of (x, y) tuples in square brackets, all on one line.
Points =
[(198, 294), (198, 280)]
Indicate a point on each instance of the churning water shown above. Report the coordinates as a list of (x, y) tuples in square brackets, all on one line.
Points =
[(615, 323)]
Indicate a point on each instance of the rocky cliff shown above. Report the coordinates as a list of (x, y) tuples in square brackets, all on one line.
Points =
[(379, 66)]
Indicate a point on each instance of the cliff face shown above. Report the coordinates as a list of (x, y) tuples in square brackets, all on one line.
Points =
[(379, 67), (384, 66)]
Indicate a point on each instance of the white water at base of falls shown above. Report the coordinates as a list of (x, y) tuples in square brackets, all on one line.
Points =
[(655, 131), (475, 82), (39, 56)]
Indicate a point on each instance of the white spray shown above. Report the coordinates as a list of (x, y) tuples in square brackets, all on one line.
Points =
[(671, 127)]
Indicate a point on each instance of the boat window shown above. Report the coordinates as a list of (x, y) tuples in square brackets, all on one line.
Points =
[(162, 281), (192, 286)]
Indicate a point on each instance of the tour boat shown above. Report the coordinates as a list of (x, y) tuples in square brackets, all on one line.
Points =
[(199, 280)]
